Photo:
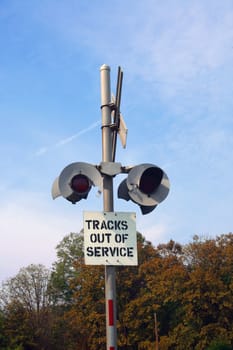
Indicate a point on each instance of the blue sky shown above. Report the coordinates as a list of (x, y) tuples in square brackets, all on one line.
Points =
[(177, 103)]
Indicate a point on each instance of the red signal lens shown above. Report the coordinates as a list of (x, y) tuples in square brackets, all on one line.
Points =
[(80, 184), (150, 180)]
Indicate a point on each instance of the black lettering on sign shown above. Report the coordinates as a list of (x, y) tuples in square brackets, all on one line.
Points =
[(105, 251), (103, 225), (124, 225), (121, 237), (96, 224), (100, 237), (107, 225), (110, 251), (89, 251), (97, 251), (88, 224)]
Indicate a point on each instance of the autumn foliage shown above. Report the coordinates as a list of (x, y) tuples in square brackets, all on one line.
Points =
[(188, 287)]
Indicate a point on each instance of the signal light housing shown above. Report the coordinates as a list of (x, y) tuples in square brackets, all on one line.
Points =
[(146, 185), (80, 184), (75, 182)]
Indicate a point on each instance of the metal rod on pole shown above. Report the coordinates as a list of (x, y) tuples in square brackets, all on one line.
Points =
[(116, 120), (110, 278)]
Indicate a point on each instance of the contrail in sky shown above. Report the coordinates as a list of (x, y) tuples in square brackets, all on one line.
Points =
[(66, 140)]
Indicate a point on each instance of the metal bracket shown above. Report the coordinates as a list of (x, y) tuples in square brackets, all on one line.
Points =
[(110, 168), (112, 126), (111, 105)]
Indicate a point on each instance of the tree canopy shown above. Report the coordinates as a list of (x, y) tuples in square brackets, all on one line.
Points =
[(189, 288)]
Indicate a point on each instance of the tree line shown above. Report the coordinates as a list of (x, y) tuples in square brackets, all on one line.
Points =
[(189, 288)]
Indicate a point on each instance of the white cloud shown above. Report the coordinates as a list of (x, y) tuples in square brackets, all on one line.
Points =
[(156, 227), (178, 47), (41, 151), (30, 230), (155, 233), (66, 140)]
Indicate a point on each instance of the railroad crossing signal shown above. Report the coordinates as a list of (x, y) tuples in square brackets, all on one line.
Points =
[(75, 182), (146, 185)]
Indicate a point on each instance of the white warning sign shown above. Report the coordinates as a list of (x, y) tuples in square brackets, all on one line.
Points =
[(110, 238)]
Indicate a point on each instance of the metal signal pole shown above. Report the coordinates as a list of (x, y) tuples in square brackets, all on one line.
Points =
[(146, 185), (110, 279)]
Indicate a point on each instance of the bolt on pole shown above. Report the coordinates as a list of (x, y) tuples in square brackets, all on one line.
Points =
[(110, 278)]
